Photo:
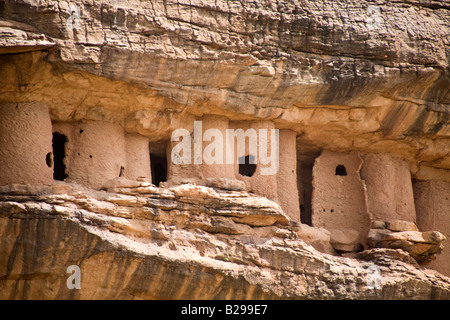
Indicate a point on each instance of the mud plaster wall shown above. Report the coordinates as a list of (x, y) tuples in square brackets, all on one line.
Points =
[(338, 201), (95, 151), (389, 188), (264, 185), (287, 191), (432, 200), (137, 157), (25, 142), (214, 170), (178, 173)]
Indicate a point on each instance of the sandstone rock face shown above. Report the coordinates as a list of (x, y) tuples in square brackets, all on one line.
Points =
[(422, 246), (319, 238), (372, 77), (357, 89), (345, 240), (21, 37), (186, 242)]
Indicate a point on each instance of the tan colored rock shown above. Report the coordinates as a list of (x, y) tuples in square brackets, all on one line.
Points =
[(423, 247), (394, 225), (121, 182), (378, 224), (433, 236), (224, 183), (387, 235), (192, 191), (25, 189), (380, 254), (223, 225), (238, 258), (126, 200), (345, 240), (60, 188), (19, 37), (93, 205), (401, 225), (142, 68), (319, 238)]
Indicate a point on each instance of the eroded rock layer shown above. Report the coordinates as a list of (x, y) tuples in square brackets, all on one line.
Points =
[(93, 90), (186, 242), (372, 76)]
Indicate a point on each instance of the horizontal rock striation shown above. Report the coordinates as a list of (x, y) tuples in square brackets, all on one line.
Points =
[(368, 81), (373, 76), (182, 243)]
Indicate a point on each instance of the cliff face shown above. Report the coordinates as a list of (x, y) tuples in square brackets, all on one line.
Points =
[(374, 77), (349, 77), (186, 242)]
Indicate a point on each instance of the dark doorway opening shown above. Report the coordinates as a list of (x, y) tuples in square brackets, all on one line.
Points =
[(305, 166), (306, 158), (159, 168), (340, 170), (247, 166), (59, 153)]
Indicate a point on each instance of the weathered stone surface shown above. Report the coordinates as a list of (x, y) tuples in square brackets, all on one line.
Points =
[(423, 246), (372, 76), (350, 77), (345, 240), (383, 255), (400, 225), (227, 184), (319, 238), (394, 225), (378, 224), (166, 258), (19, 37), (121, 182)]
